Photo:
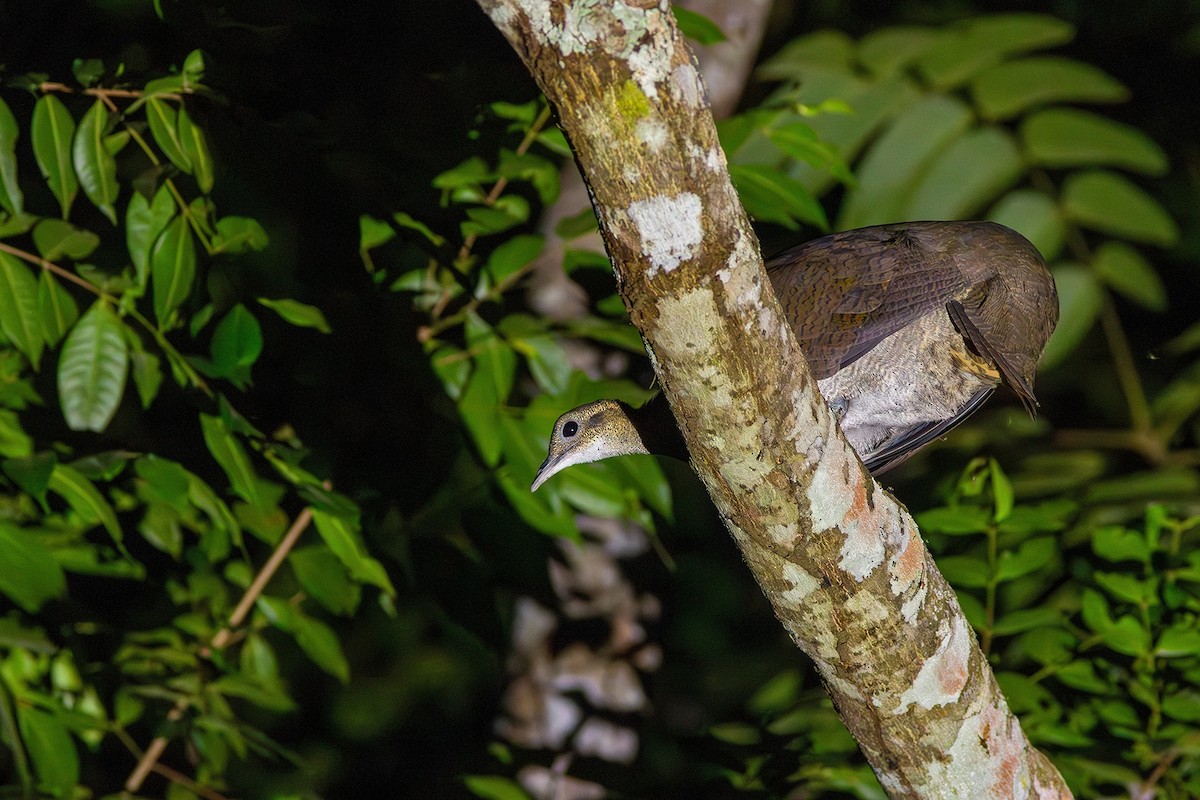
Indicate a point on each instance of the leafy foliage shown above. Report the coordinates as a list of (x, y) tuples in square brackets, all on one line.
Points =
[(77, 300), (135, 334)]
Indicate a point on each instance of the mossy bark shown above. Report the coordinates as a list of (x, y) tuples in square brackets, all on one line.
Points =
[(841, 561)]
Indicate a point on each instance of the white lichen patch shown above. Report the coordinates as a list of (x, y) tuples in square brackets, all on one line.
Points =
[(834, 681), (911, 607), (651, 132), (801, 581), (866, 606), (834, 504), (987, 759), (631, 32), (670, 228), (942, 677), (713, 158), (688, 86), (906, 568)]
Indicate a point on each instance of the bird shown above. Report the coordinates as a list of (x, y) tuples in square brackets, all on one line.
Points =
[(908, 328)]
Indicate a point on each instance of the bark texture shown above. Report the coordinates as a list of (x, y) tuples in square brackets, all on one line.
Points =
[(841, 561)]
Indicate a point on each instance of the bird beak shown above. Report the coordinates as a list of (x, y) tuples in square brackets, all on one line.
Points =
[(543, 474)]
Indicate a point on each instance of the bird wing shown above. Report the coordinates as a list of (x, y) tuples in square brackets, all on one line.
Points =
[(845, 293), (898, 448), (976, 329)]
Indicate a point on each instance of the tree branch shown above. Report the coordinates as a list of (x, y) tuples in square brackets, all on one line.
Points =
[(841, 561)]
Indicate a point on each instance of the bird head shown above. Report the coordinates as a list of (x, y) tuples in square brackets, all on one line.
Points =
[(591, 432)]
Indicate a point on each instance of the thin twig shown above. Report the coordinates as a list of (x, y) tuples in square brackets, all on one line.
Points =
[(149, 760), (502, 182), (428, 331), (65, 274), (97, 91)]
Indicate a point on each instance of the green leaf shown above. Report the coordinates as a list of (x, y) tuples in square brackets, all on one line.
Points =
[(822, 49), (547, 362), (164, 126), (342, 537), (373, 233), (172, 268), (1009, 89), (239, 235), (55, 238), (324, 578), (52, 131), (321, 644), (1048, 517), (31, 473), (496, 787), (1026, 619), (1127, 636), (1115, 543), (964, 49), (1070, 137), (1035, 216), (967, 572), (697, 27), (1179, 640), (954, 520), (230, 454), (1082, 675), (236, 345), (966, 176), (94, 164), (1127, 588), (92, 368), (161, 529), (144, 223), (88, 71), (1124, 269), (888, 50), (468, 174), (15, 224), (896, 160), (29, 575), (1080, 299), (19, 308), (1118, 712), (1002, 491), (163, 481), (205, 499), (487, 388), (11, 197), (539, 172), (195, 148), (52, 751), (1144, 486), (85, 499), (299, 314), (315, 638), (507, 211), (146, 370), (1110, 203), (1029, 557), (773, 196), (56, 309), (14, 442), (406, 221), (798, 141), (511, 256), (1049, 645), (1094, 609)]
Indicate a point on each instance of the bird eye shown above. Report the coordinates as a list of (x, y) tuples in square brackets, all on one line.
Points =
[(570, 429)]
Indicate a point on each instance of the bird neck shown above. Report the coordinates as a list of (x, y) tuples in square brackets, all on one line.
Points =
[(656, 426)]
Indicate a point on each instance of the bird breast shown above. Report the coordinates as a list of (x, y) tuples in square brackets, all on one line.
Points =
[(922, 374)]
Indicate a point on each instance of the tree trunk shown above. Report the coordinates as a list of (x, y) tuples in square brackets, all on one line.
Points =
[(841, 561)]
